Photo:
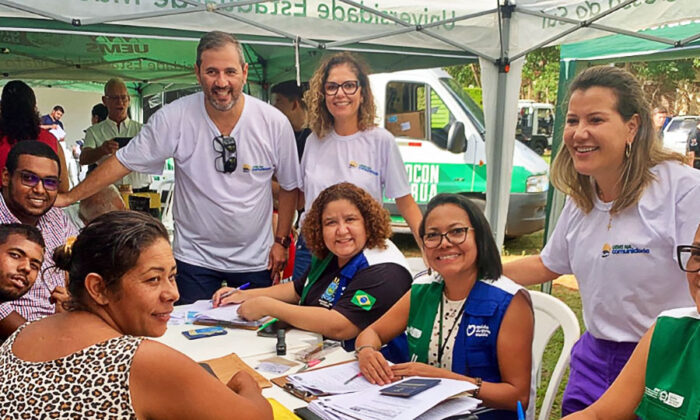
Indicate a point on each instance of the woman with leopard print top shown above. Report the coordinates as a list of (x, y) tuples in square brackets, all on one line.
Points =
[(93, 361)]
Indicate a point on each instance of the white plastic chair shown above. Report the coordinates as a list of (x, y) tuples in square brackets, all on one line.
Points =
[(167, 214), (550, 314)]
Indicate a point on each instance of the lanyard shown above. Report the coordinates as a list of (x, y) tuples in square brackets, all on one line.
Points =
[(441, 345)]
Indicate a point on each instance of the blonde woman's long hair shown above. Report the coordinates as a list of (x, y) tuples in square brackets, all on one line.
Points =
[(646, 150), (319, 120)]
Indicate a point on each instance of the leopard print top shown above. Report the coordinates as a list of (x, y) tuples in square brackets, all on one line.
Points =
[(92, 383)]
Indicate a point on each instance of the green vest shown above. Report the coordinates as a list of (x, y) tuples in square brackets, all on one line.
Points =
[(672, 383), (425, 299)]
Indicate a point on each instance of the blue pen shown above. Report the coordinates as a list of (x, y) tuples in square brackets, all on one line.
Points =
[(230, 292), (521, 413)]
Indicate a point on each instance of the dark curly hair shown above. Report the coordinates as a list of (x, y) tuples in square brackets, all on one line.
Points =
[(377, 221), (19, 118), (110, 246)]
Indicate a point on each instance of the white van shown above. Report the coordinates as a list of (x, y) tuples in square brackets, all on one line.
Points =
[(422, 108), (535, 125)]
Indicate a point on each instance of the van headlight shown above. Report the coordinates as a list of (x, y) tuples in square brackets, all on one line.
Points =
[(537, 183)]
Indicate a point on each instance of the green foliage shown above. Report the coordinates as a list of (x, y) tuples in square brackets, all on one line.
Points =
[(670, 83), (541, 75)]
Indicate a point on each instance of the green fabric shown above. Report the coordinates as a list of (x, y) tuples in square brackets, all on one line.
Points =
[(673, 370), (425, 299), (317, 268)]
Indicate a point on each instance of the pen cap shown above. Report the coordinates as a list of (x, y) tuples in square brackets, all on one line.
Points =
[(281, 345)]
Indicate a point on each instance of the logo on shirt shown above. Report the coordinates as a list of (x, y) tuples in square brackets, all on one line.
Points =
[(623, 249), (246, 168), (329, 295), (261, 168), (363, 299), (363, 167), (666, 397), (478, 330), (414, 332)]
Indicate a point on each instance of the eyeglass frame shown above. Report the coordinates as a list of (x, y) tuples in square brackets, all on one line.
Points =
[(445, 237), (228, 146), (679, 251), (24, 182), (339, 86)]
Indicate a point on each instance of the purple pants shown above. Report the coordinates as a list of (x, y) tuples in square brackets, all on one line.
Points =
[(594, 366)]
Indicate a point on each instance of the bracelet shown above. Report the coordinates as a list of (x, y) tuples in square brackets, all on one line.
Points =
[(366, 346), (477, 382)]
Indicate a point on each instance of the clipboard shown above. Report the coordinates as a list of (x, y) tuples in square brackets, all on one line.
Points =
[(283, 383), (225, 367)]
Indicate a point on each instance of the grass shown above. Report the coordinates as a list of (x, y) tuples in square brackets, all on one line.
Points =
[(528, 245)]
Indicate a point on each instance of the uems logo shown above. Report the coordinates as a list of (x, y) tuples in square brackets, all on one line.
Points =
[(116, 45)]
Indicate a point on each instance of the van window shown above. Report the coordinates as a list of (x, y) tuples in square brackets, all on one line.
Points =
[(407, 113), (545, 121)]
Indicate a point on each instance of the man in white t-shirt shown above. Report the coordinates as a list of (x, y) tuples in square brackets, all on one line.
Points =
[(226, 146), (100, 138)]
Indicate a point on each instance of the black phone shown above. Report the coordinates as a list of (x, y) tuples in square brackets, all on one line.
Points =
[(123, 141)]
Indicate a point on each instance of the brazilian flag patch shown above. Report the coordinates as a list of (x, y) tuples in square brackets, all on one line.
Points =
[(364, 300)]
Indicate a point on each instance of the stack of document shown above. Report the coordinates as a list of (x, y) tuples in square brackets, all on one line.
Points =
[(203, 311), (331, 380), (370, 404)]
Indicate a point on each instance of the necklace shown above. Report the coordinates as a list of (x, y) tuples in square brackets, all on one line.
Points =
[(610, 221), (441, 344)]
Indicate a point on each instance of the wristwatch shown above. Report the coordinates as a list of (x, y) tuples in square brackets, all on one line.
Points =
[(285, 241)]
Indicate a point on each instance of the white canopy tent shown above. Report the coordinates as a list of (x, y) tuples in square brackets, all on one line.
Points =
[(289, 35)]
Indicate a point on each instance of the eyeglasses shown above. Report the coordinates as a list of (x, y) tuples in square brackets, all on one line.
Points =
[(31, 179), (454, 236), (226, 145), (689, 258), (121, 98), (349, 87)]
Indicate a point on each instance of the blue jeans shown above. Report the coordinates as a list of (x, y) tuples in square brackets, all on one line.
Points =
[(302, 259), (197, 283)]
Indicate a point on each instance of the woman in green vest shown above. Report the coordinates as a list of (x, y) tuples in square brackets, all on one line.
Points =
[(661, 380), (465, 320), (356, 272)]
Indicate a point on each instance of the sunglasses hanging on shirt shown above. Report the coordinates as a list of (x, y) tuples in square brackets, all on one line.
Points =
[(227, 161)]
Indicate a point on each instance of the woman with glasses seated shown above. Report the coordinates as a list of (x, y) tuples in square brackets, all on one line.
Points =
[(356, 274), (660, 380), (93, 360), (346, 145), (464, 321)]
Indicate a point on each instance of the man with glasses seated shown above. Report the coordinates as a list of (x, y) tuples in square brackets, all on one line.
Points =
[(100, 138), (226, 146), (29, 189)]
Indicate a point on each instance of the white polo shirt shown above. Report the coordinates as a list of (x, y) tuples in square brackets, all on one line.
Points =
[(629, 274), (223, 221)]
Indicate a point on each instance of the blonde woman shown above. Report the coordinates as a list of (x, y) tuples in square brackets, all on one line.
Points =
[(346, 146), (630, 202)]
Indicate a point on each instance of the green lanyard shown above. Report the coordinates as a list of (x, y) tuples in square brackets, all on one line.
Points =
[(441, 345)]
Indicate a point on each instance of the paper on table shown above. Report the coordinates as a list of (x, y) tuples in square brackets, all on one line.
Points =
[(452, 407), (181, 314), (228, 314), (371, 405), (331, 380)]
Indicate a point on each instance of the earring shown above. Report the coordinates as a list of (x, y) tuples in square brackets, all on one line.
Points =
[(628, 149)]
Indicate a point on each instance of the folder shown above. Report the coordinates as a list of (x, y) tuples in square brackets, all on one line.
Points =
[(225, 367)]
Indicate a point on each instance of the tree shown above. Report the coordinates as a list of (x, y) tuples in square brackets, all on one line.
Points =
[(672, 84)]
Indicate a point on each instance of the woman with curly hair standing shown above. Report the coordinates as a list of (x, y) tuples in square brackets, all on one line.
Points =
[(347, 146), (356, 274)]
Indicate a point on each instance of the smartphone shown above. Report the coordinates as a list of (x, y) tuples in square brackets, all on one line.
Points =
[(203, 332), (123, 141)]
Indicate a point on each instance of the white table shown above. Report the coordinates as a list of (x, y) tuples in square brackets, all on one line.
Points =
[(251, 348)]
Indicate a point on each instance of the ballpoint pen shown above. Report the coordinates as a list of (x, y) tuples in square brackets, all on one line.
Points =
[(270, 322), (310, 364), (353, 378), (230, 292), (521, 413)]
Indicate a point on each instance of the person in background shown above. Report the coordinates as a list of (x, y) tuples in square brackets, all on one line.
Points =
[(288, 97), (356, 273), (465, 320), (346, 145), (660, 118), (52, 120), (29, 189), (108, 199), (122, 288), (19, 120), (227, 146), (660, 380), (100, 138), (693, 149), (629, 202), (21, 256), (98, 113)]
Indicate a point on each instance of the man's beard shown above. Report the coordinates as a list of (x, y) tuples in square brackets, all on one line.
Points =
[(218, 105)]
